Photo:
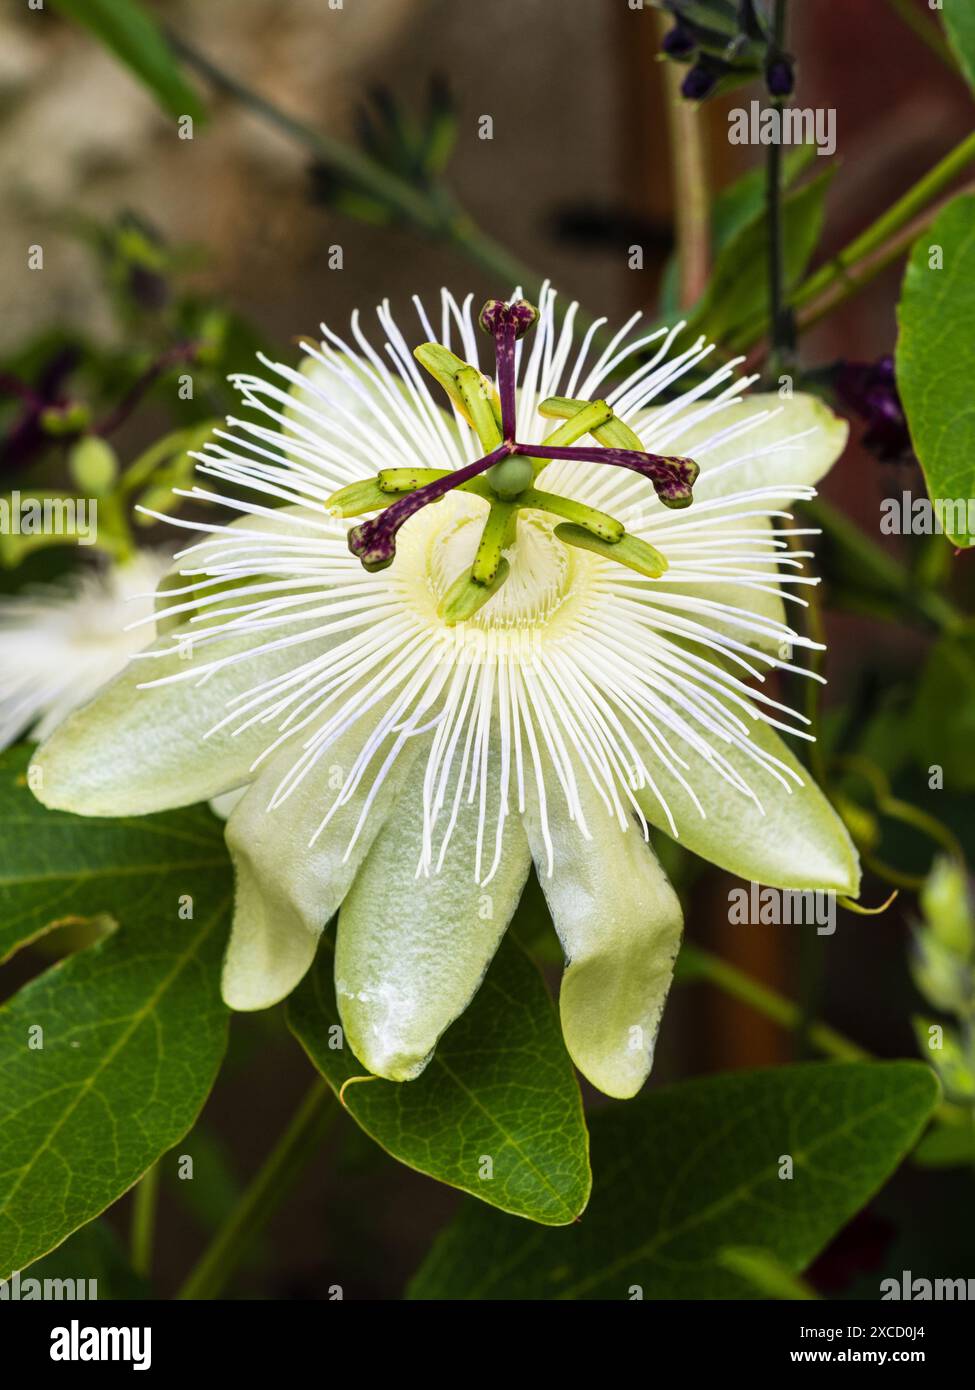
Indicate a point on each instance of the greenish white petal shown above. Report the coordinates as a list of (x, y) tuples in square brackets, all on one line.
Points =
[(793, 446), (132, 751), (791, 449), (619, 922), (290, 880), (786, 834), (411, 951)]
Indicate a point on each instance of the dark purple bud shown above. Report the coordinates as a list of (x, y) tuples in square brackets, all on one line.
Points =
[(27, 438), (678, 42), (699, 82), (779, 75), (869, 390)]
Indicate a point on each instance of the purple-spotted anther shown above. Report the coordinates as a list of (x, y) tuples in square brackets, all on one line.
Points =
[(554, 663)]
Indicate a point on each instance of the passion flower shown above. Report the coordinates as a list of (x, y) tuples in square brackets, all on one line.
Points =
[(465, 621)]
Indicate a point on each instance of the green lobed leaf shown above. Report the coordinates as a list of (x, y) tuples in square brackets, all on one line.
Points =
[(935, 361), (499, 1086), (130, 32), (106, 1059), (57, 868), (686, 1172), (958, 17)]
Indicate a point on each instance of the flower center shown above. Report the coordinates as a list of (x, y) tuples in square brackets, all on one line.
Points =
[(542, 571), (547, 581)]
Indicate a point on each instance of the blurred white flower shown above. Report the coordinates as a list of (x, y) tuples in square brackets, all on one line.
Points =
[(60, 642)]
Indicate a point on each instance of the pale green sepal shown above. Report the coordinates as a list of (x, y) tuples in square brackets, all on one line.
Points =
[(287, 887), (411, 951), (130, 752), (620, 922), (799, 841)]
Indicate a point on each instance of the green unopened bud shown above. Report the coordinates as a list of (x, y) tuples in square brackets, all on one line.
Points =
[(60, 420), (861, 823), (630, 551), (945, 1049), (947, 907), (944, 978), (93, 465), (466, 595)]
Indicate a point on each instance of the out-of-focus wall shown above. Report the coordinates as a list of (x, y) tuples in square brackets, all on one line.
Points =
[(77, 134)]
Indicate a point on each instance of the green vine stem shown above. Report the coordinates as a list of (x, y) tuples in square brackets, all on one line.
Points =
[(781, 324), (895, 809), (145, 1201), (689, 171), (297, 1145), (695, 963), (698, 964), (898, 216), (870, 267)]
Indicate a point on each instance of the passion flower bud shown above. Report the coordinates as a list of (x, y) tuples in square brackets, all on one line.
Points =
[(779, 75), (678, 42), (699, 82), (93, 464), (869, 389)]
